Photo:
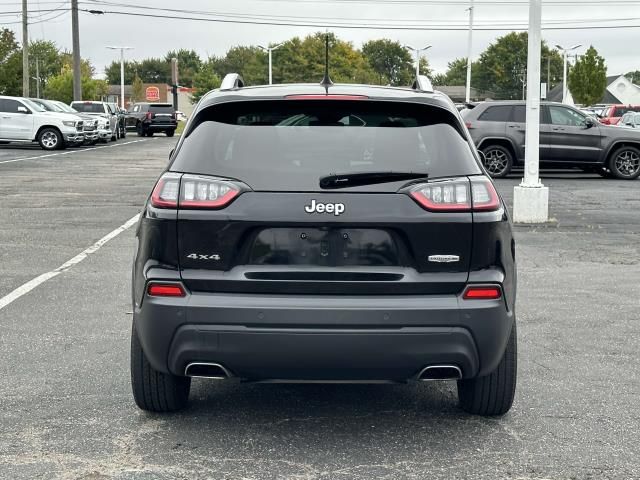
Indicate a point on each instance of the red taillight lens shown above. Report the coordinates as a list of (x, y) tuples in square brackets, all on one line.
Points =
[(165, 193), (484, 195), (165, 290), (482, 293), (468, 124), (204, 192), (457, 195)]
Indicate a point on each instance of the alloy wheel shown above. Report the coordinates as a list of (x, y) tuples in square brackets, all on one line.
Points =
[(627, 163), (49, 139), (496, 162)]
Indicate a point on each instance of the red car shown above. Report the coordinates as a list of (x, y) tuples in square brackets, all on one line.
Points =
[(612, 114)]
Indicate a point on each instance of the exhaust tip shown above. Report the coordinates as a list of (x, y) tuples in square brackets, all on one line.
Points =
[(440, 372), (207, 370)]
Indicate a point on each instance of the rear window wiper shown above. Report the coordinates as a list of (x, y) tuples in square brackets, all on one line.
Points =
[(355, 179)]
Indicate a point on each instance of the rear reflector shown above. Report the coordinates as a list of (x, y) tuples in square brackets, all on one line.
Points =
[(165, 290), (326, 97), (482, 293)]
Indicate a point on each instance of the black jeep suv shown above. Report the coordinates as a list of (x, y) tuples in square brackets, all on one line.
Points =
[(568, 138), (324, 233)]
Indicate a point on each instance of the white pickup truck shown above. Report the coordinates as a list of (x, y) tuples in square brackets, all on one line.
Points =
[(23, 121)]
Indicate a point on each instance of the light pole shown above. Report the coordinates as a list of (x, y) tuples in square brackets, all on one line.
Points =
[(531, 198), (269, 50), (418, 50), (565, 52), (122, 49), (469, 48)]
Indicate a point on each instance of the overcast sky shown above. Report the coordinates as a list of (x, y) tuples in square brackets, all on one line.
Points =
[(154, 37)]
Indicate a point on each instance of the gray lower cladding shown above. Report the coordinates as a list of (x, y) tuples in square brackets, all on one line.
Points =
[(258, 337)]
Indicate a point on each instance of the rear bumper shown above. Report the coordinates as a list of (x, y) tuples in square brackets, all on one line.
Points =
[(160, 126), (262, 337)]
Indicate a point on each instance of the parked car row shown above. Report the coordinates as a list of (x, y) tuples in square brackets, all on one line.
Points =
[(54, 125), (568, 138)]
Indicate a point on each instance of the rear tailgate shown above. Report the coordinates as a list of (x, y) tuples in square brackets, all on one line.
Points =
[(284, 234), (268, 243)]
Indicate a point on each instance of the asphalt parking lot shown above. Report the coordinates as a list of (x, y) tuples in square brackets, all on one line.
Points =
[(65, 404)]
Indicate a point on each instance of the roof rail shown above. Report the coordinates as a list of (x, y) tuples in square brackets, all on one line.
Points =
[(422, 84), (232, 81)]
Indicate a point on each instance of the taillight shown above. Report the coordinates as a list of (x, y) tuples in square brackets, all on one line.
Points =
[(204, 192), (165, 193), (482, 292), (165, 290), (468, 124), (460, 195)]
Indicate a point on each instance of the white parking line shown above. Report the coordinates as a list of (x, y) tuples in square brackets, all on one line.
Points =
[(40, 279), (71, 151)]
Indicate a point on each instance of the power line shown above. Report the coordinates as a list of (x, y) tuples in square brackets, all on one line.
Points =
[(353, 25)]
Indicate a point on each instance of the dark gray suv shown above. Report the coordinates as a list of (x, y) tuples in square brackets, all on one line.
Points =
[(568, 138)]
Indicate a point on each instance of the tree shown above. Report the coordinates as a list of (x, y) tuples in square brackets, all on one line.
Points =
[(137, 89), (49, 62), (391, 62), (10, 64), (189, 63), (502, 65), (634, 76), (588, 78), (456, 73), (112, 72), (204, 81), (60, 87), (154, 70)]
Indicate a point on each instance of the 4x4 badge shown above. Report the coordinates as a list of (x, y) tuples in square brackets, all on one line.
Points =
[(317, 207)]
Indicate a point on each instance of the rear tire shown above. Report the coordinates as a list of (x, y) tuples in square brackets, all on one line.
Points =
[(140, 130), (170, 133), (492, 394), (149, 133), (155, 391), (497, 160), (625, 163)]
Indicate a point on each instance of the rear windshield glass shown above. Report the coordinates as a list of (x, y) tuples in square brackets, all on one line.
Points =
[(287, 145), (161, 108), (88, 107)]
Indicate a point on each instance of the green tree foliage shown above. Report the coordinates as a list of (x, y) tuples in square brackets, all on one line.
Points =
[(10, 64), (48, 59), (588, 78), (112, 72), (456, 73), (391, 62), (502, 63), (60, 87), (249, 62), (189, 64), (137, 89), (633, 76), (204, 81)]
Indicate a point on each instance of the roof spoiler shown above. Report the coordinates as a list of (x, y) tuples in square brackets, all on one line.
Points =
[(422, 84), (232, 81)]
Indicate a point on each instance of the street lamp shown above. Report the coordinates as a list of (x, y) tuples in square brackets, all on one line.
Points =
[(565, 52), (269, 50), (418, 50), (122, 49)]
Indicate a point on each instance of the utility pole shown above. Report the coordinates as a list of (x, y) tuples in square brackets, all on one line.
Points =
[(418, 50), (75, 34), (469, 48), (174, 82), (25, 51), (531, 198), (269, 50), (37, 78)]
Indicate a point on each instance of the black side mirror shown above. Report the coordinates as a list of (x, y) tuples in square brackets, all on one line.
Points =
[(589, 122), (22, 109)]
